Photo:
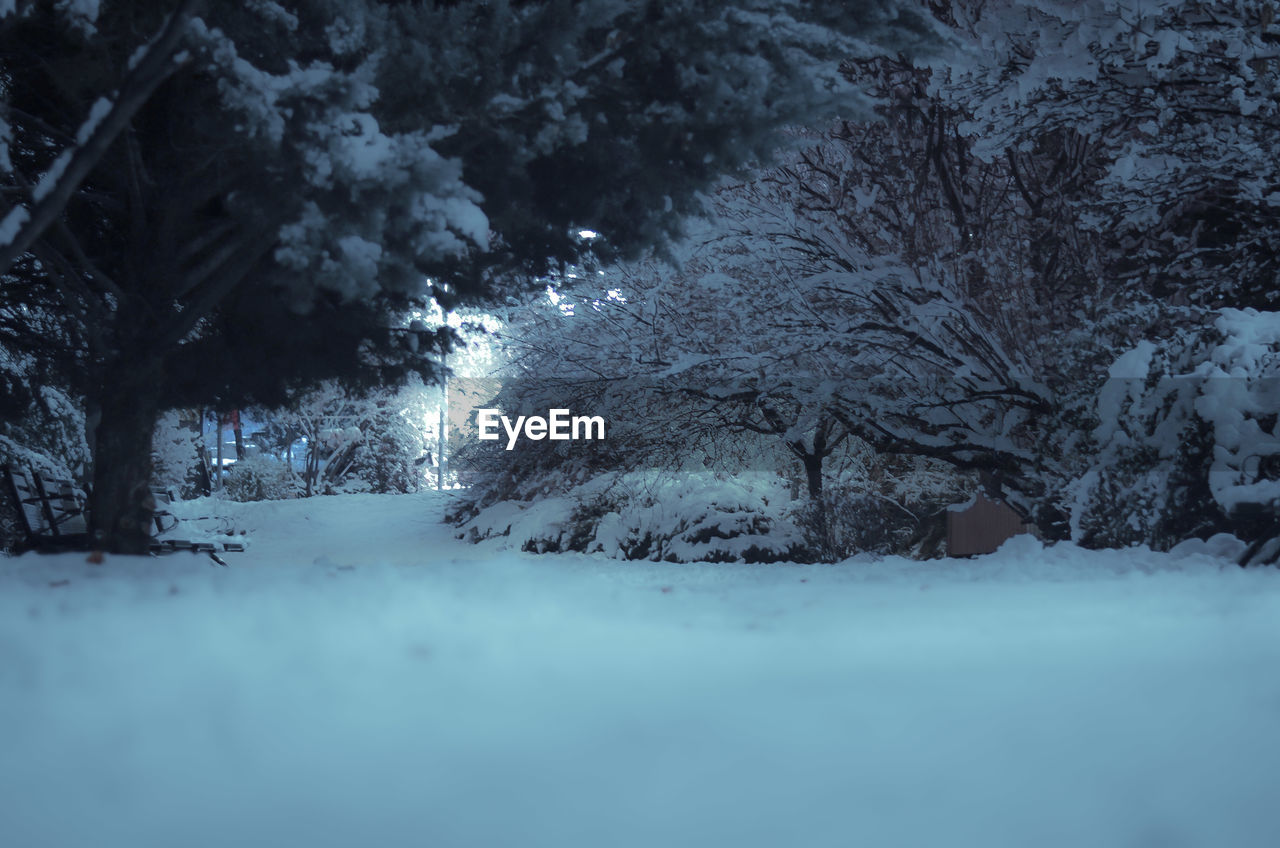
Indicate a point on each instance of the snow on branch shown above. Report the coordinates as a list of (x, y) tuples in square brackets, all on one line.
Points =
[(22, 226)]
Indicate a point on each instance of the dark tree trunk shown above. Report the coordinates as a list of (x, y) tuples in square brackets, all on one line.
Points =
[(821, 527), (812, 463), (121, 507), (218, 458), (312, 471)]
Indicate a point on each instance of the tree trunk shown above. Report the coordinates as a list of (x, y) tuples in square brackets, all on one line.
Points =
[(821, 527), (239, 434), (121, 507), (812, 463), (312, 471), (219, 469)]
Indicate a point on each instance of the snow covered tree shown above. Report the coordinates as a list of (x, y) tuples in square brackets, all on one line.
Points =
[(957, 279), (720, 364), (1158, 119), (271, 181), (1024, 212), (1171, 105), (1189, 444), (371, 441), (178, 456)]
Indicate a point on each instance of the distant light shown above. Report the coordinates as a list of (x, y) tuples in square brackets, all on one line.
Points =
[(587, 234)]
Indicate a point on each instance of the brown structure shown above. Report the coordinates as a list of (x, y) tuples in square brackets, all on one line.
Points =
[(983, 527)]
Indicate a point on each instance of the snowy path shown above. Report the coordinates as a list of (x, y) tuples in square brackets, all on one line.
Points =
[(359, 678)]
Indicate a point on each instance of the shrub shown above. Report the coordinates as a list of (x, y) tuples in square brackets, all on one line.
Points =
[(654, 516), (259, 478)]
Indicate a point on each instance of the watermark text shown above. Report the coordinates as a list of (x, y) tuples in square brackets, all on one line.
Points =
[(559, 425)]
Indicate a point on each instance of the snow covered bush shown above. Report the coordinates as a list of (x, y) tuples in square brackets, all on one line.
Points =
[(1141, 498), (886, 505), (42, 428), (48, 435), (655, 516), (1189, 439), (583, 497), (370, 441), (390, 459), (260, 478), (176, 449)]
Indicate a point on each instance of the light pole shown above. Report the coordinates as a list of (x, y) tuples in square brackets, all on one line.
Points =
[(444, 424)]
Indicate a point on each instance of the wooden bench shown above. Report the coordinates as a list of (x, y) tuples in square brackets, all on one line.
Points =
[(164, 498), (52, 511), (54, 516)]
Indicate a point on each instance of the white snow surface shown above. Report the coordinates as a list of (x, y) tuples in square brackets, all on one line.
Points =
[(360, 677)]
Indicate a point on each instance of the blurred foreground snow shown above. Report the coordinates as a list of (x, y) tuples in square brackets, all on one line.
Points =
[(360, 678)]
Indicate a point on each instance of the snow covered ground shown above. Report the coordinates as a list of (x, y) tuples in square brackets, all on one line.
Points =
[(358, 677)]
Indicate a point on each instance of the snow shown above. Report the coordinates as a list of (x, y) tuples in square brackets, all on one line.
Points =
[(1242, 377), (12, 224), (1124, 387), (80, 13), (670, 516), (274, 12), (100, 109), (6, 138), (359, 677), (49, 181), (360, 257)]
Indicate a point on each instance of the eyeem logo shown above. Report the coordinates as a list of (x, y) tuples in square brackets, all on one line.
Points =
[(558, 426)]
